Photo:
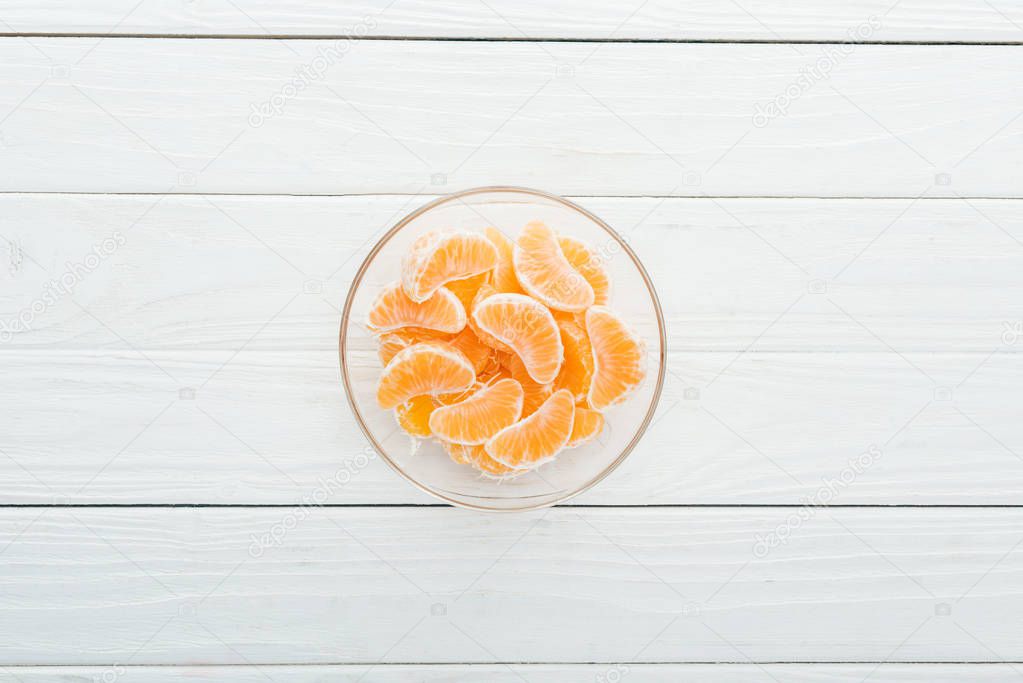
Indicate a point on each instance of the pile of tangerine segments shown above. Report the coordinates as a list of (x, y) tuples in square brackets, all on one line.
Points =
[(504, 351)]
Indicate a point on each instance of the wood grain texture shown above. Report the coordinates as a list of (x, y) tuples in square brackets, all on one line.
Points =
[(399, 116), (271, 427), (149, 586), (222, 386), (196, 363), (945, 20), (530, 673), (207, 273)]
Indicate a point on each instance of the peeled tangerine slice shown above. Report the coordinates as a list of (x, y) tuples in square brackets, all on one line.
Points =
[(466, 288), (483, 293), (545, 273), (475, 350), (586, 426), (577, 370), (393, 309), (427, 368), (619, 358), (589, 264), (534, 393), (527, 327), (478, 458), (480, 416), (439, 257), (504, 279), (538, 438), (414, 416), (459, 453), (393, 342)]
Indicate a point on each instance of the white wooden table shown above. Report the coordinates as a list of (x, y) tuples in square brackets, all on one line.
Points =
[(833, 488)]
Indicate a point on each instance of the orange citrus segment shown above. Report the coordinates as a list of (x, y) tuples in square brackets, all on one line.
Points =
[(457, 396), (439, 257), (490, 373), (537, 438), (490, 467), (483, 293), (390, 345), (619, 358), (476, 351), (463, 455), (393, 309), (577, 370), (480, 416), (534, 393), (560, 316), (427, 368), (589, 264), (504, 279), (545, 273), (414, 416), (478, 458), (586, 426), (466, 288), (527, 327), (393, 342)]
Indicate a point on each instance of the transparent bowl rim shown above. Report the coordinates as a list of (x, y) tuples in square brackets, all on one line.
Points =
[(456, 196)]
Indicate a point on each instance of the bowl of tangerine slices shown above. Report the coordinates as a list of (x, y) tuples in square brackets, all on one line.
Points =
[(502, 348)]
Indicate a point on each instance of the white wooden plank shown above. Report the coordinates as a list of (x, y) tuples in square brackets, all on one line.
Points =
[(946, 20), (208, 272), (396, 116), (268, 419), (272, 427), (159, 586), (531, 673)]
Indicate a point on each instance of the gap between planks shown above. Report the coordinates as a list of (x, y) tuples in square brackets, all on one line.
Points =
[(384, 665), (498, 39), (428, 197), (578, 506)]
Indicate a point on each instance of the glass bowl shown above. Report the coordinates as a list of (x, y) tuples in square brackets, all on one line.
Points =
[(424, 463)]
